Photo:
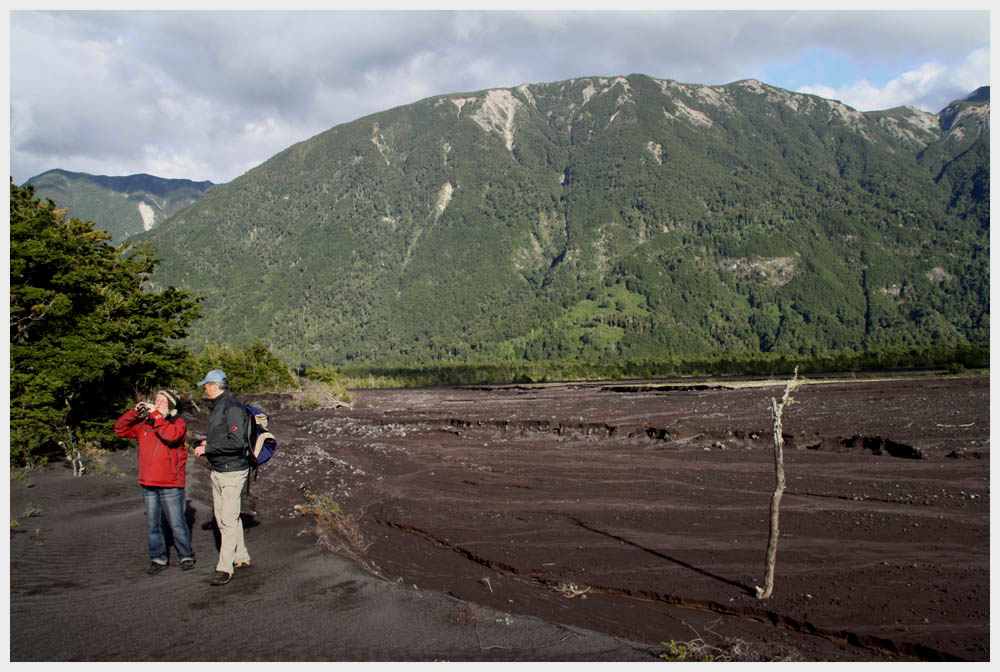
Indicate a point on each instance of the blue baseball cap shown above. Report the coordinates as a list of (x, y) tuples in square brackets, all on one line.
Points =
[(215, 376)]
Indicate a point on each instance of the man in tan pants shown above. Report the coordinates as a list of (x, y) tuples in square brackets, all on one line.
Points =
[(225, 446)]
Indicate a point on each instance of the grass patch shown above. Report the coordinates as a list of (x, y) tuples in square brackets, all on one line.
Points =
[(31, 511), (21, 474), (100, 461), (323, 388)]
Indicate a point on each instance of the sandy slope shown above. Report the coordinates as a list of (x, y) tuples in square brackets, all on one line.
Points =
[(517, 523), (79, 592)]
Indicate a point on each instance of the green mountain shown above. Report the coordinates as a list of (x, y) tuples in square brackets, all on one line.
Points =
[(123, 206), (599, 218), (962, 158)]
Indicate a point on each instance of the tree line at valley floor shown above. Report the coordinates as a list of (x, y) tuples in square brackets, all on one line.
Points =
[(88, 338)]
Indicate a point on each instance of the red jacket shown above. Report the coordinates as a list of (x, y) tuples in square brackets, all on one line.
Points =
[(162, 453)]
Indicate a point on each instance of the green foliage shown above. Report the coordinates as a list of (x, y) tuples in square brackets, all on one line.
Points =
[(250, 370), (320, 505), (21, 474), (950, 357), (691, 652), (31, 511), (336, 381), (85, 338), (309, 404)]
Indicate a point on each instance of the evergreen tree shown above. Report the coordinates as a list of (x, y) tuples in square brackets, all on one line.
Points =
[(85, 338)]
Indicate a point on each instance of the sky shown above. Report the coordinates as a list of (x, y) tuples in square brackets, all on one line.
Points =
[(208, 95)]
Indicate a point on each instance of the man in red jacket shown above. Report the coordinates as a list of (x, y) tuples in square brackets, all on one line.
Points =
[(162, 457)]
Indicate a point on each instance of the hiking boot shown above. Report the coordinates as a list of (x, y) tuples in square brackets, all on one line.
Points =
[(242, 566), (221, 578), (186, 564), (155, 568)]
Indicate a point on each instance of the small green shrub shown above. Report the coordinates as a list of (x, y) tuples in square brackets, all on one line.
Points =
[(308, 404), (321, 506), (21, 474), (692, 652), (335, 383), (100, 460), (31, 511), (726, 651)]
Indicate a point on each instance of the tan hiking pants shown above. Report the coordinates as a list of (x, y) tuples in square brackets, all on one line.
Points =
[(227, 486)]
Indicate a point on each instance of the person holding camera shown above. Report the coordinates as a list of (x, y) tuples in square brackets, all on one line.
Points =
[(160, 432), (226, 449)]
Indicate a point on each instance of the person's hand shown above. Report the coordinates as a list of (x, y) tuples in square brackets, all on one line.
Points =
[(199, 450)]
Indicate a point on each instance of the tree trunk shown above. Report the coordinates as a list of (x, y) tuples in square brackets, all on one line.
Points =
[(777, 408), (73, 453)]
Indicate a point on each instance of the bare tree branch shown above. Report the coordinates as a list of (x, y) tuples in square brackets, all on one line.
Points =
[(777, 408)]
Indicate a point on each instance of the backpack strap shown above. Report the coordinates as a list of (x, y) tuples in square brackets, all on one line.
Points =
[(253, 468), (250, 428)]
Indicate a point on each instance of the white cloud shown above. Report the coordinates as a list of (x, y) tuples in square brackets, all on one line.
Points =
[(930, 87), (974, 71), (207, 95)]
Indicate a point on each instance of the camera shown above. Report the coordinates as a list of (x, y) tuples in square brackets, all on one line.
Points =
[(142, 410)]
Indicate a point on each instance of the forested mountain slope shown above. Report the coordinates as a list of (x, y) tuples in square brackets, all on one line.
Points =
[(600, 218), (122, 206)]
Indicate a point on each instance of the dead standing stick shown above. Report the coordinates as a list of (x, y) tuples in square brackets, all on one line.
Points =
[(777, 408)]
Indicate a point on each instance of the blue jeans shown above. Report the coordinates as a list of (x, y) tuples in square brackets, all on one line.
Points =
[(166, 505)]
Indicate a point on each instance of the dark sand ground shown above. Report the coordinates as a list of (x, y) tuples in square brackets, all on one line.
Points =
[(583, 522)]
